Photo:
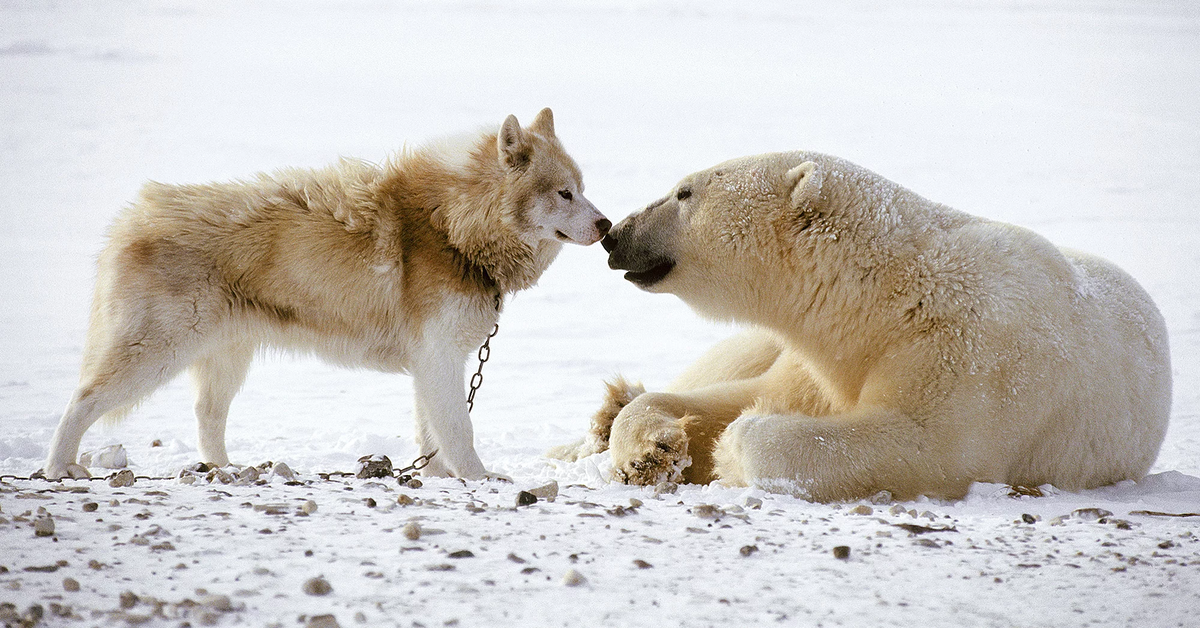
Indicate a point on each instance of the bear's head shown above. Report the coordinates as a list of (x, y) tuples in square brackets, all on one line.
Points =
[(720, 231)]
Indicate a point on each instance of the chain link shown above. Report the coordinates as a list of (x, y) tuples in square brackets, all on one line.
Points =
[(485, 352)]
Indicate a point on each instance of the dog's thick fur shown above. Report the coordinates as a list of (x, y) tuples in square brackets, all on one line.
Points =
[(399, 268), (899, 344)]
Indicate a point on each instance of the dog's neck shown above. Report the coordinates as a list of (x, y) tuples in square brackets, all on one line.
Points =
[(465, 205)]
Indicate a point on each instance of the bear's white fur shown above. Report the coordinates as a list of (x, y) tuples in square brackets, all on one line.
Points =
[(896, 344)]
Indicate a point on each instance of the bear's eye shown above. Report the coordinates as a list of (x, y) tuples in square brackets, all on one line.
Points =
[(683, 193), (566, 194)]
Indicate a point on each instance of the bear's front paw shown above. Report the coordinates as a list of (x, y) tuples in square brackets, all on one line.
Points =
[(650, 456)]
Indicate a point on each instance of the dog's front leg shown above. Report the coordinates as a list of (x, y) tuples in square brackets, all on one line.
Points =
[(443, 423)]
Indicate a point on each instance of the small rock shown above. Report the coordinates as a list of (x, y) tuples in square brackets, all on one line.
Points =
[(374, 466), (111, 457), (896, 510), (841, 552), (360, 617), (1028, 518), (128, 600), (748, 550), (283, 470), (122, 479), (317, 586), (156, 443), (43, 526), (525, 498), (707, 511), (573, 578), (882, 497), (516, 559), (1090, 514), (220, 603), (413, 483), (753, 503), (635, 502), (322, 621), (370, 502), (404, 500), (308, 507), (462, 554), (187, 478), (411, 530), (249, 475), (1166, 544), (862, 509), (641, 564), (70, 585), (546, 491), (219, 475)]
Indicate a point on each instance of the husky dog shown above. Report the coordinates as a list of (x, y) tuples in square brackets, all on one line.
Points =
[(400, 267)]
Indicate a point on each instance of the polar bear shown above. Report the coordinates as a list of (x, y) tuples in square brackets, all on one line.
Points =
[(894, 344)]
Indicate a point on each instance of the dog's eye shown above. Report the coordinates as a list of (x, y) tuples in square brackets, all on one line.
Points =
[(683, 193), (566, 194)]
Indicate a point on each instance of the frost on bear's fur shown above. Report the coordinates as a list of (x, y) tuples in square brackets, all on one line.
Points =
[(894, 343)]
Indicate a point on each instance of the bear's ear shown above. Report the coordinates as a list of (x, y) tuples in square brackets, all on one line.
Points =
[(543, 124), (513, 144), (805, 183)]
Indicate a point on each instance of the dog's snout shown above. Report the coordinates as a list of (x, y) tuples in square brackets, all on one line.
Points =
[(603, 225), (609, 243)]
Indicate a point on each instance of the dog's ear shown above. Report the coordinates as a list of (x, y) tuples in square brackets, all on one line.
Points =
[(513, 144), (543, 124)]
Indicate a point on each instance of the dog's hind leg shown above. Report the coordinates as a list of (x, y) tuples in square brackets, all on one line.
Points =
[(114, 378), (218, 376)]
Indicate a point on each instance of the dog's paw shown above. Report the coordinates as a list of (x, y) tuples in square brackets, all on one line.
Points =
[(652, 455), (58, 472)]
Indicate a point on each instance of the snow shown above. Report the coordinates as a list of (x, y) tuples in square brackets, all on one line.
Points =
[(1079, 120)]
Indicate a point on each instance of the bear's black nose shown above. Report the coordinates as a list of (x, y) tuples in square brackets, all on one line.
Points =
[(609, 243)]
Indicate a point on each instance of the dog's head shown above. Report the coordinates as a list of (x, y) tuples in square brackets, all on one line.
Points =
[(544, 185)]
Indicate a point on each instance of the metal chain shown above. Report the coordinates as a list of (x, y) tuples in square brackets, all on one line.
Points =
[(485, 352)]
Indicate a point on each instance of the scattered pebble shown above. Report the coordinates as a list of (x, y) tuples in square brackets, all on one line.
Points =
[(665, 488), (635, 502), (841, 552), (374, 466), (317, 586), (641, 564), (573, 578), (462, 554), (111, 457), (70, 585), (122, 479), (43, 526), (1090, 514), (707, 511), (525, 498), (308, 507), (546, 491), (411, 530), (748, 550), (90, 506), (283, 470), (128, 600), (322, 621), (413, 483), (862, 509), (1028, 518), (753, 503), (404, 500)]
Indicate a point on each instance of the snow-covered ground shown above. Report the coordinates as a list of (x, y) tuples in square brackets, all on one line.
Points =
[(1078, 119)]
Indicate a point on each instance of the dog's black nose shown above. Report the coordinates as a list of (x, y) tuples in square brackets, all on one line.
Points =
[(609, 243), (603, 225)]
